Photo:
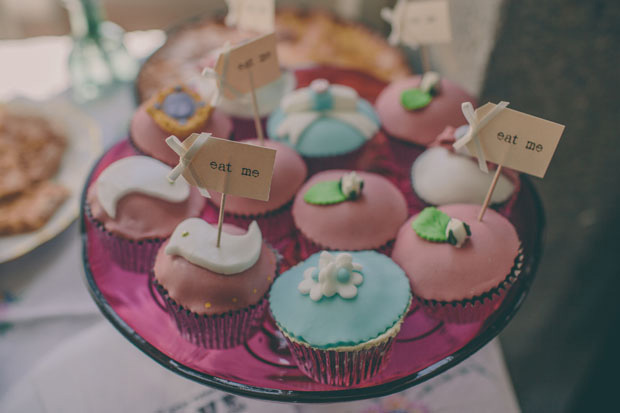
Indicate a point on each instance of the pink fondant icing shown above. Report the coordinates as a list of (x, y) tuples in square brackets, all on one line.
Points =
[(289, 172), (193, 287), (366, 223), (140, 216), (440, 271), (151, 139), (423, 125)]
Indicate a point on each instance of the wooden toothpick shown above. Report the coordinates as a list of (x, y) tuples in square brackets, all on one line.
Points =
[(487, 199), (220, 219), (425, 57), (257, 123)]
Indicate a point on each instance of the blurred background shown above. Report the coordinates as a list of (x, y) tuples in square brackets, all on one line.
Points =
[(557, 59)]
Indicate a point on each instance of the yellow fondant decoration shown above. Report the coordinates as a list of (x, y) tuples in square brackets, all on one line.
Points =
[(173, 126)]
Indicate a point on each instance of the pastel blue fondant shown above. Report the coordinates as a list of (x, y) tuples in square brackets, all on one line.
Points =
[(382, 299), (315, 275), (326, 136), (322, 101), (343, 275)]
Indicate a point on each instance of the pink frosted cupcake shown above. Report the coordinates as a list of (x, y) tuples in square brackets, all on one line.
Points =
[(216, 295), (174, 111), (460, 269), (344, 210), (414, 110), (135, 209), (273, 216)]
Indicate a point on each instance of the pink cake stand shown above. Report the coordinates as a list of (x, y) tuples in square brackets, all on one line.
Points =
[(263, 367)]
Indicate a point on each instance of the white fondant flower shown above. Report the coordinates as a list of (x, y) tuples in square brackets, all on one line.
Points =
[(335, 275), (457, 232), (351, 185)]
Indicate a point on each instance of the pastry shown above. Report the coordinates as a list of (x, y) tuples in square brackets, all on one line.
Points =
[(414, 110), (135, 208), (31, 151), (32, 208), (175, 111), (340, 313), (327, 124), (215, 295), (441, 175), (304, 38), (459, 268), (344, 210)]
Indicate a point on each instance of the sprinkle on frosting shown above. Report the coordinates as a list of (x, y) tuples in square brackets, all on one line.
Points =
[(348, 188), (137, 174), (235, 254), (305, 106), (436, 226), (334, 275)]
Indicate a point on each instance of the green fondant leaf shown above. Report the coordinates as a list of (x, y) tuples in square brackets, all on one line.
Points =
[(325, 193), (413, 99), (431, 225)]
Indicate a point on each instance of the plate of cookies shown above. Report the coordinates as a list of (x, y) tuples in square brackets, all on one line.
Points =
[(366, 272), (46, 149)]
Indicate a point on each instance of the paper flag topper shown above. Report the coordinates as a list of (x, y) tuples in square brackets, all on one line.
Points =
[(248, 66), (420, 22), (251, 15), (510, 138), (225, 166)]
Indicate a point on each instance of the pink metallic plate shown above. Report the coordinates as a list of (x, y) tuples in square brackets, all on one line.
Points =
[(263, 367)]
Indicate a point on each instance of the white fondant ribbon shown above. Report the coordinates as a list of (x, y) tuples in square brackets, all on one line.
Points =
[(475, 126), (300, 112), (186, 156)]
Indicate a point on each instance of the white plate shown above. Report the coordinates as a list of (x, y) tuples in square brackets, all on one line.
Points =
[(83, 148)]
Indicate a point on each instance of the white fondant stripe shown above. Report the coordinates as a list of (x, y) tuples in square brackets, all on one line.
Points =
[(137, 174), (294, 125)]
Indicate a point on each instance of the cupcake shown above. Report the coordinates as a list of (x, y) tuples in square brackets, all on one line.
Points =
[(343, 210), (459, 268), (273, 216), (326, 307), (414, 110), (441, 175), (240, 109), (174, 111), (328, 125), (135, 208), (215, 295)]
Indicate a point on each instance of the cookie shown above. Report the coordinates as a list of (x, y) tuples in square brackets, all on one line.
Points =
[(31, 209)]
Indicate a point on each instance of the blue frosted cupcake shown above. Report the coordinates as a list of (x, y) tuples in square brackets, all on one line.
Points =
[(327, 124), (327, 308)]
